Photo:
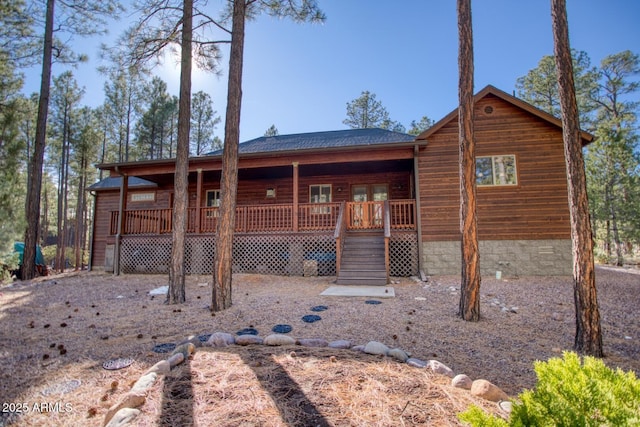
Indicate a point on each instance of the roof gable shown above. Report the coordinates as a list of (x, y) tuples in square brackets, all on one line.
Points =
[(517, 102)]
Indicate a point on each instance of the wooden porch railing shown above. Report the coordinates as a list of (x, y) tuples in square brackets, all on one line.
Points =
[(338, 234), (387, 236), (275, 218)]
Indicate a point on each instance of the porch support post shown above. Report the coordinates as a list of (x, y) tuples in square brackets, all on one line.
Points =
[(416, 178), (122, 207), (198, 200), (295, 196)]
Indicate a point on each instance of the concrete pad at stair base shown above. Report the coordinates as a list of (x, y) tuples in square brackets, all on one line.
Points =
[(360, 291)]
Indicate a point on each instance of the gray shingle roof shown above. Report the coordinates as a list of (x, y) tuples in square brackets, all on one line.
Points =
[(319, 140), (115, 182)]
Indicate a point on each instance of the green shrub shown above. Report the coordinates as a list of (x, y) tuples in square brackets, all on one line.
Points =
[(571, 392)]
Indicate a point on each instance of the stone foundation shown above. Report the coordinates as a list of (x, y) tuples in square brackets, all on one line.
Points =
[(511, 257)]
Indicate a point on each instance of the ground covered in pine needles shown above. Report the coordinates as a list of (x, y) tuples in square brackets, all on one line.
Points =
[(57, 332)]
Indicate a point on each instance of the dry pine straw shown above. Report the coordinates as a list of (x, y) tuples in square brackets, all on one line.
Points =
[(107, 317)]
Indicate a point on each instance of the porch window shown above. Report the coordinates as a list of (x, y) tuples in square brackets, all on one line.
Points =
[(496, 170), (320, 194), (213, 201), (213, 198)]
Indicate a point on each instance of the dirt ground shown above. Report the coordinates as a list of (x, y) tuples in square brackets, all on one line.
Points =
[(57, 332)]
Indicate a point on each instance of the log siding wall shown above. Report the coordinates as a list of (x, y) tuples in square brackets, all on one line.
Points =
[(536, 208)]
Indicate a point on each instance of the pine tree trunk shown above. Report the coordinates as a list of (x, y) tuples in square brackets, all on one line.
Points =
[(180, 201), (222, 265), (470, 281), (588, 339), (28, 269)]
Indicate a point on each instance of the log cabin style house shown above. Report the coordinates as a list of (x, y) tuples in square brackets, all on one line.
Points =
[(359, 204)]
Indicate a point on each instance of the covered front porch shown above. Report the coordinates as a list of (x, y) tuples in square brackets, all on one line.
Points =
[(270, 239)]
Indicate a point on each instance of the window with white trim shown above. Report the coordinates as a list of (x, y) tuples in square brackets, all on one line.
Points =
[(496, 170), (320, 193), (213, 198)]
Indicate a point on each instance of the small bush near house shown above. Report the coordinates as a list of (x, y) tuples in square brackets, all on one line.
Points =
[(571, 392), (8, 263)]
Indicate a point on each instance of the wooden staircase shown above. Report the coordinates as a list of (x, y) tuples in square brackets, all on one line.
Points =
[(362, 261)]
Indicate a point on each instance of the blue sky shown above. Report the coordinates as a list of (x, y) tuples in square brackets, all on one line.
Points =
[(299, 77)]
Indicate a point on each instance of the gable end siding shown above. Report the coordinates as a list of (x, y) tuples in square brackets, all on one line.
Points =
[(536, 208)]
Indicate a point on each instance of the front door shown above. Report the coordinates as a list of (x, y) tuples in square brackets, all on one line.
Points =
[(368, 205)]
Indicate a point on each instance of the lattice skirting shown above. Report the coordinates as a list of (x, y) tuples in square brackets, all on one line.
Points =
[(281, 254), (403, 254)]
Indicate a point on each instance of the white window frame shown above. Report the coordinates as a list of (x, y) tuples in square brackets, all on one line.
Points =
[(319, 210), (495, 182), (147, 196), (211, 213)]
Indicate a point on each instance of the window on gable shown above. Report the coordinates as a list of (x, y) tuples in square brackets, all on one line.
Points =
[(496, 170)]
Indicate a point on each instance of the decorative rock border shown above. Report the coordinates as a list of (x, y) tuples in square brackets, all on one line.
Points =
[(124, 412)]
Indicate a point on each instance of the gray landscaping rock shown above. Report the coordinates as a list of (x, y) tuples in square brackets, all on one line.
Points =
[(375, 347), (220, 339), (440, 368), (278, 339), (416, 363), (249, 339), (462, 381), (312, 342), (344, 344), (398, 354), (359, 348), (488, 391)]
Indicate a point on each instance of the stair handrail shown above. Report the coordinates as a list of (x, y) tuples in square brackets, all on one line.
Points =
[(339, 235), (387, 235)]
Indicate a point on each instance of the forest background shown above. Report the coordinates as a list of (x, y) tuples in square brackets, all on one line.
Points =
[(130, 113)]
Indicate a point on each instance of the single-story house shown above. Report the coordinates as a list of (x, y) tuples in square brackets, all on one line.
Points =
[(360, 204)]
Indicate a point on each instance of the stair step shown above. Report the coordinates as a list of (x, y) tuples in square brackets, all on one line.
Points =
[(363, 273), (362, 261), (361, 281)]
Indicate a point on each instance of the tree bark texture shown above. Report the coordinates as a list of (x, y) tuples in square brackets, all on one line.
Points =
[(223, 259), (176, 294), (28, 268), (469, 308), (588, 339)]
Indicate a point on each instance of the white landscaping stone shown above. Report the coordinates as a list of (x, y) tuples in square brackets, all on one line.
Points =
[(440, 368), (161, 368), (220, 339), (375, 347), (175, 360), (462, 381), (144, 382), (488, 391), (248, 339), (123, 417), (278, 339)]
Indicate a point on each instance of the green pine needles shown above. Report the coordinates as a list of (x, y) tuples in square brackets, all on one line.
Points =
[(571, 392)]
